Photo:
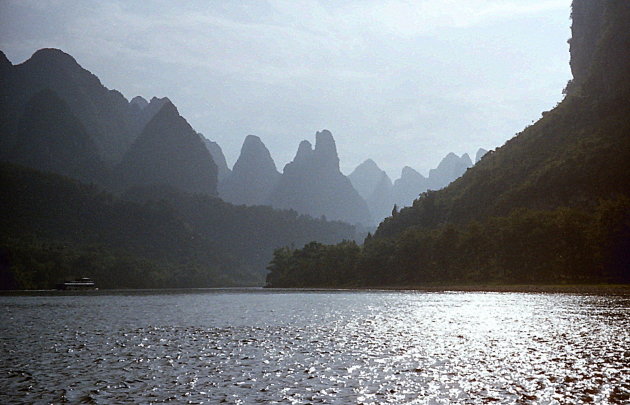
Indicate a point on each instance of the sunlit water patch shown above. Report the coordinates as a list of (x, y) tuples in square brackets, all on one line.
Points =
[(315, 347)]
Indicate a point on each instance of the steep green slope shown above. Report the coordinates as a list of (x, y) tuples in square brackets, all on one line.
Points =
[(576, 154), (551, 205)]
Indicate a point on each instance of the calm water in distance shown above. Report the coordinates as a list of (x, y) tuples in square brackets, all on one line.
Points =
[(339, 347)]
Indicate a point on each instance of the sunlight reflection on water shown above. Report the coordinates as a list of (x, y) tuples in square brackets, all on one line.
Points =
[(316, 347)]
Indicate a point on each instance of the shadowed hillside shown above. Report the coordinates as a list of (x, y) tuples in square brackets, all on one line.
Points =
[(53, 228)]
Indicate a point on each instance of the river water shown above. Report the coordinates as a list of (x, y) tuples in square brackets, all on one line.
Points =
[(341, 347)]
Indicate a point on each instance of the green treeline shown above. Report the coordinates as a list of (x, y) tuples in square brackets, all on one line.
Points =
[(53, 228), (31, 263), (566, 245)]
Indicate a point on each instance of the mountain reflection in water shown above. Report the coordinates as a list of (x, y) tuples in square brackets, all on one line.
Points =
[(257, 346)]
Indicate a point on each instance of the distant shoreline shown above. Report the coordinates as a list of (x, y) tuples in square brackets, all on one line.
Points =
[(594, 289), (588, 289), (599, 289)]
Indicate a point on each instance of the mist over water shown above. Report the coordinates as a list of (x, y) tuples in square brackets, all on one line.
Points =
[(240, 346)]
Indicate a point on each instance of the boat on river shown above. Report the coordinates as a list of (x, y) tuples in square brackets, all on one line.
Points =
[(83, 283)]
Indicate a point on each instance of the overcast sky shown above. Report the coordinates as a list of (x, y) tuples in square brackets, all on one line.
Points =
[(401, 82)]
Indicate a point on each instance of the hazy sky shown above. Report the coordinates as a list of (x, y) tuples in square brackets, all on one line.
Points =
[(402, 82)]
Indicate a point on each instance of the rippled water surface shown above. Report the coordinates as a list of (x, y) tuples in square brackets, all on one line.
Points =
[(256, 346)]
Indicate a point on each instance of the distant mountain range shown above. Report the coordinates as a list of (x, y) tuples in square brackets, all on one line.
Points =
[(57, 117), (98, 136), (381, 195), (151, 207), (312, 183)]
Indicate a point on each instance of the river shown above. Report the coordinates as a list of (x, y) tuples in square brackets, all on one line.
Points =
[(340, 347)]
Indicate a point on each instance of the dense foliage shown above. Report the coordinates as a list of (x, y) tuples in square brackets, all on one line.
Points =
[(551, 205), (566, 245), (53, 228)]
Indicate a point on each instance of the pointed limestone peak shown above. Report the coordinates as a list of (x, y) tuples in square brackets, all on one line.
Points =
[(253, 176), (305, 150), (252, 145), (254, 154), (408, 172), (159, 101), (451, 157), (154, 106), (217, 155), (449, 169), (139, 101), (370, 162), (325, 143), (368, 166), (465, 159), (366, 177), (326, 150)]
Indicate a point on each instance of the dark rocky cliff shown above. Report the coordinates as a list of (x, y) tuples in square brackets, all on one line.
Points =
[(599, 46)]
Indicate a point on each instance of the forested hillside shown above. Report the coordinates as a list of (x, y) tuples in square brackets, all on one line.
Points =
[(551, 205), (53, 228)]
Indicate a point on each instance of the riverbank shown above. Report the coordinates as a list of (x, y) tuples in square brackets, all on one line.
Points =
[(589, 289)]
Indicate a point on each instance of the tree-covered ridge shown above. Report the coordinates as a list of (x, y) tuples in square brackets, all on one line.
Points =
[(551, 205), (565, 245), (53, 228), (575, 154)]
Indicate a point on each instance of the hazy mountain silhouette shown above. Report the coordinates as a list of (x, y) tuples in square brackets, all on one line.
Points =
[(449, 169), (480, 153), (366, 177), (408, 187), (381, 195), (381, 201), (105, 114), (375, 187), (51, 138), (219, 158), (169, 152), (143, 111), (177, 233), (312, 184), (253, 176)]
